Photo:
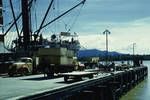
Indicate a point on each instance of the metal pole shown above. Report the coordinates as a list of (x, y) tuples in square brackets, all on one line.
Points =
[(133, 54), (134, 48), (106, 32), (106, 48)]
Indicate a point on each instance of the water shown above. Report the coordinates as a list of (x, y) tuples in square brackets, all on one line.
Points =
[(142, 90)]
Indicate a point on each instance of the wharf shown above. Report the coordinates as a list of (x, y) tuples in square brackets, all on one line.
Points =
[(37, 87)]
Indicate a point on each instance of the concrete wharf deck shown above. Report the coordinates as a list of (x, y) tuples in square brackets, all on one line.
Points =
[(37, 87)]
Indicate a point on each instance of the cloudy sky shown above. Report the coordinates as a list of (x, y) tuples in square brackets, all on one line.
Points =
[(127, 20)]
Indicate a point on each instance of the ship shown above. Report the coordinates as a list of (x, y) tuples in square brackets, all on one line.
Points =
[(22, 33)]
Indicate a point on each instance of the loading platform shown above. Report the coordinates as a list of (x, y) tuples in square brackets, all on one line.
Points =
[(34, 87)]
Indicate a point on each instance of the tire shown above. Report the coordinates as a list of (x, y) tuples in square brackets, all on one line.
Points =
[(12, 71), (11, 74), (66, 78), (25, 71), (91, 76)]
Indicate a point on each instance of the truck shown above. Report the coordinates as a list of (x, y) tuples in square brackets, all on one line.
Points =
[(47, 61), (22, 66), (56, 60)]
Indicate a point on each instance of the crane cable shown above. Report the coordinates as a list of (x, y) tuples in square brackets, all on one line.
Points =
[(8, 37), (35, 15), (64, 13), (75, 19)]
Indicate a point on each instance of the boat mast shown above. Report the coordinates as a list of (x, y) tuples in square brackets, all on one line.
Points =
[(25, 23)]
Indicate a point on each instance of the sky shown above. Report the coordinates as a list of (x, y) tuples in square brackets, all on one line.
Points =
[(127, 20)]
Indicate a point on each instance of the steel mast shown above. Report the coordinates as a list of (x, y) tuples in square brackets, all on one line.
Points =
[(26, 25)]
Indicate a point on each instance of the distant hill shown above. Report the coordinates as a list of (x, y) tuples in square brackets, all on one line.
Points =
[(95, 53)]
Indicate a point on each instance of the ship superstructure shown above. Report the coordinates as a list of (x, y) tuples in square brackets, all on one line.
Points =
[(22, 36)]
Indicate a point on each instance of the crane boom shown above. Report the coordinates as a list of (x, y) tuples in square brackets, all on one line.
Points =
[(82, 2)]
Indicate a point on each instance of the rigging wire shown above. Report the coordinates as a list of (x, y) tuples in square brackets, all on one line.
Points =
[(30, 23), (64, 13), (16, 20), (9, 38), (5, 13), (7, 5), (14, 16), (6, 9), (54, 15), (45, 16), (58, 10), (35, 14), (10, 34), (75, 19), (19, 21), (71, 22)]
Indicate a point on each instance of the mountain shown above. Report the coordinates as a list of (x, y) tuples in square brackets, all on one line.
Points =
[(95, 53)]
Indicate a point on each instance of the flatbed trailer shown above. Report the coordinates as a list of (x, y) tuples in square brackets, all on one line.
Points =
[(77, 75)]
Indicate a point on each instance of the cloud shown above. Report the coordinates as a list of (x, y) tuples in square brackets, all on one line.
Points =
[(122, 36)]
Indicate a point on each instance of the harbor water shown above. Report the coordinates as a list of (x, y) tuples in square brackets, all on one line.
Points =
[(142, 90)]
